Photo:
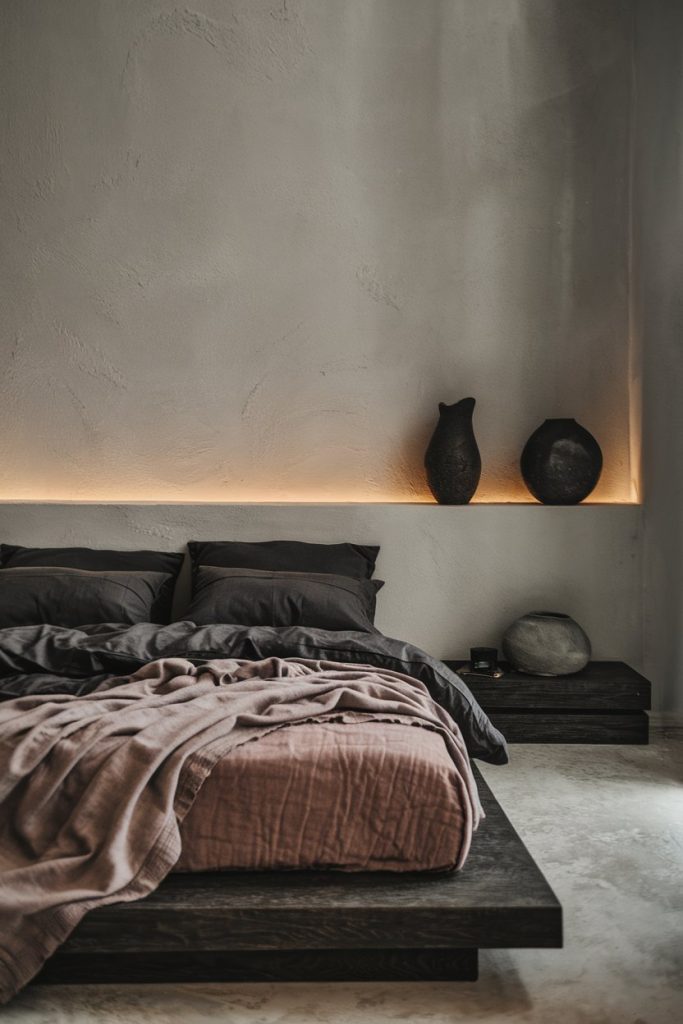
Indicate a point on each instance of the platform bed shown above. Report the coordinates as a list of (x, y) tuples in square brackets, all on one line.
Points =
[(323, 926)]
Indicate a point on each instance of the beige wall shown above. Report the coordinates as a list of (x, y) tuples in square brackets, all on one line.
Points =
[(248, 245), (658, 290)]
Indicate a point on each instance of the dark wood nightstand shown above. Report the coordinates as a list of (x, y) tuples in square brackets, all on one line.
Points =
[(605, 703)]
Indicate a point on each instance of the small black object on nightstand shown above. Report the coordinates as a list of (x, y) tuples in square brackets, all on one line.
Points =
[(604, 703), (484, 661)]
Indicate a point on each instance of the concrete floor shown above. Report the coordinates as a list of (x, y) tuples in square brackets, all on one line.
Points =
[(606, 826)]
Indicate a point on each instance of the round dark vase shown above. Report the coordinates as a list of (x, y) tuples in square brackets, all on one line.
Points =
[(561, 462), (452, 458)]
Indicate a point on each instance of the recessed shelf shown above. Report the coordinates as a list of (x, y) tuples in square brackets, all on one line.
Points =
[(236, 503)]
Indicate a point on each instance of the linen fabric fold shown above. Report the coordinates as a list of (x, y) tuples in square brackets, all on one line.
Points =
[(93, 788)]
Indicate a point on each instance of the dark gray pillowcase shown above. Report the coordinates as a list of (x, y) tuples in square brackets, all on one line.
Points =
[(102, 560), (355, 560), (36, 595), (254, 597)]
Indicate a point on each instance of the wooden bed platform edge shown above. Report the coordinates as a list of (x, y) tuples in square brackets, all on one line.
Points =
[(322, 926)]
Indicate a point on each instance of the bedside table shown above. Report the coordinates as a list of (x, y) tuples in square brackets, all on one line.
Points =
[(604, 703)]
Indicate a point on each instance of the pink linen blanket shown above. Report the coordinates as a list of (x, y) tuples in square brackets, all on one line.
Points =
[(93, 788)]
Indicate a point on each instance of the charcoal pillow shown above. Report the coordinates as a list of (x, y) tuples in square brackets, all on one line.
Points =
[(101, 560), (255, 597), (36, 595), (354, 560)]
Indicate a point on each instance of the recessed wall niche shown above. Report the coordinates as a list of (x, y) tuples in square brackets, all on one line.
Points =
[(248, 259)]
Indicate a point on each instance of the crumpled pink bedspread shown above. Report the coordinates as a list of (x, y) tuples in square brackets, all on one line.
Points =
[(93, 789)]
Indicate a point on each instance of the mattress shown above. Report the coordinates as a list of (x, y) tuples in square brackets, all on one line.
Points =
[(358, 794)]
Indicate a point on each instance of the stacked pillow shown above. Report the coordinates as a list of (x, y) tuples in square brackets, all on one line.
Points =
[(276, 583), (83, 586), (284, 583)]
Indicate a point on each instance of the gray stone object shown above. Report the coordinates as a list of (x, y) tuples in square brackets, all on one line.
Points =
[(452, 459), (546, 644)]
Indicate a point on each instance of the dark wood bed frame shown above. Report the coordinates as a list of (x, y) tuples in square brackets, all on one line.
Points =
[(307, 926)]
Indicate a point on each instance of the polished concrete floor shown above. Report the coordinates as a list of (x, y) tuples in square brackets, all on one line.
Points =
[(606, 826)]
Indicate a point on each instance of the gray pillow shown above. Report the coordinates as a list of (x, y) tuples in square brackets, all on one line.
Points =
[(103, 560), (355, 560), (36, 595), (255, 597)]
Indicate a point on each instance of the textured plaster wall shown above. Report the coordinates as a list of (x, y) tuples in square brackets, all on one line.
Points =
[(247, 245), (659, 316)]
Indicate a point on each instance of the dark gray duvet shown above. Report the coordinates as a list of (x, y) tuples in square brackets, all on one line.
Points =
[(54, 659)]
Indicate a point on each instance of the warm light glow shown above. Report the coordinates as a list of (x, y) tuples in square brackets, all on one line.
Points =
[(407, 485), (508, 492), (294, 499)]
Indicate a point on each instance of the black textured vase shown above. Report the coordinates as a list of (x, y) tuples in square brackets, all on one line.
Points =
[(561, 462), (452, 458)]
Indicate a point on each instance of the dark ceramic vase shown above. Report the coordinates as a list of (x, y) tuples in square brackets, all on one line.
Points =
[(561, 462), (452, 458)]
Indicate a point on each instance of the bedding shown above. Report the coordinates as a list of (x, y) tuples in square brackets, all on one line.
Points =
[(256, 597), (93, 787), (103, 560), (355, 794), (51, 659), (74, 597), (355, 560)]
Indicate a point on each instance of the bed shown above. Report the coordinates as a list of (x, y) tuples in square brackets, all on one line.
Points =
[(320, 830), (323, 926)]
